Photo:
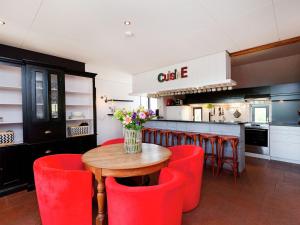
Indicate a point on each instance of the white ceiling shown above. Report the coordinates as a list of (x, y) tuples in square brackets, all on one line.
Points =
[(166, 31)]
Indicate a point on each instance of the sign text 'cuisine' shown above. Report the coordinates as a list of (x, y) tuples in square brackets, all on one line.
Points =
[(176, 74)]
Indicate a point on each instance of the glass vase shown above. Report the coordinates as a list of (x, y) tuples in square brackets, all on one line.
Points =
[(133, 141)]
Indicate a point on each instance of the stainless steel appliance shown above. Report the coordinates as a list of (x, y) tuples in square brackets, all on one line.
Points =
[(257, 138)]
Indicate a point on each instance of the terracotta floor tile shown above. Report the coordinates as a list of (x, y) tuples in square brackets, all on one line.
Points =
[(267, 193)]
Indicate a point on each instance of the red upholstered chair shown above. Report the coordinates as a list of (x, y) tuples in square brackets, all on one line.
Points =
[(147, 205), (188, 159), (113, 141), (64, 190)]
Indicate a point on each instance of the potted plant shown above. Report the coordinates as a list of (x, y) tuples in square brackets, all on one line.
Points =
[(132, 122)]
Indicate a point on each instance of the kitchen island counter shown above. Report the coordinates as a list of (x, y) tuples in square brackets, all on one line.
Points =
[(219, 128), (192, 121)]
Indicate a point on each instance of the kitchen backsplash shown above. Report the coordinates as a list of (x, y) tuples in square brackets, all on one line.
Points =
[(227, 112)]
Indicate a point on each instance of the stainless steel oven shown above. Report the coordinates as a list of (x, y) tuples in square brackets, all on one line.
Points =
[(257, 139)]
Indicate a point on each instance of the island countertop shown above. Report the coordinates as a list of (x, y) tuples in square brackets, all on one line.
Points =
[(192, 121)]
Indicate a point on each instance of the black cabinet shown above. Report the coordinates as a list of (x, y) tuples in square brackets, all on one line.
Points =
[(45, 113), (13, 163)]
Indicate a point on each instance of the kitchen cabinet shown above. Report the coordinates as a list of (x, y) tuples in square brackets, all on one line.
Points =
[(179, 113), (34, 108), (284, 143), (13, 173), (45, 118)]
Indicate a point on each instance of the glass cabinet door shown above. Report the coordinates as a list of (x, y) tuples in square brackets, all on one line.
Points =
[(40, 95), (54, 96)]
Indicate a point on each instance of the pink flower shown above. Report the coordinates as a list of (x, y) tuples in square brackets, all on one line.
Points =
[(142, 115), (127, 120)]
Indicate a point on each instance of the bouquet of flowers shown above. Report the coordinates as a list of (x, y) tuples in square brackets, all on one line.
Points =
[(134, 120)]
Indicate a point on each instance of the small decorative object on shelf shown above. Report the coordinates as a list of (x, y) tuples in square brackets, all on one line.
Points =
[(7, 137), (76, 115), (237, 114), (1, 119), (133, 123), (82, 129)]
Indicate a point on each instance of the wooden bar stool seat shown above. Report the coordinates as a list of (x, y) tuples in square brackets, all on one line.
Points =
[(190, 136), (231, 160), (177, 136), (211, 156), (163, 133)]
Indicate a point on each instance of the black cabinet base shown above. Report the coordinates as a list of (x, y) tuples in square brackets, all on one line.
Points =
[(13, 189)]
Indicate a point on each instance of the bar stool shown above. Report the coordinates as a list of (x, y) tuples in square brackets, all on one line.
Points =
[(144, 132), (165, 133), (152, 132), (231, 160), (190, 136), (176, 135), (212, 138)]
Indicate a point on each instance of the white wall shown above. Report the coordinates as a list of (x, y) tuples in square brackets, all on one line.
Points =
[(116, 85)]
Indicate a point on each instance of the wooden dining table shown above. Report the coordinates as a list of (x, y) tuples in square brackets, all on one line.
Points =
[(112, 160)]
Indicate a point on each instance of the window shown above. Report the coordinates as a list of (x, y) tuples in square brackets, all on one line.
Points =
[(153, 104), (197, 114), (260, 114), (144, 101), (149, 103)]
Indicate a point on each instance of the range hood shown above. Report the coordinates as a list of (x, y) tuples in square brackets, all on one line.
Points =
[(205, 74)]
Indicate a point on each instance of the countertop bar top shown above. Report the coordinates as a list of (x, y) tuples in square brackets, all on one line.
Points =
[(191, 121)]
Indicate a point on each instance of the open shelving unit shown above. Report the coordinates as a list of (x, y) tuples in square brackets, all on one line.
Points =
[(79, 99), (11, 113)]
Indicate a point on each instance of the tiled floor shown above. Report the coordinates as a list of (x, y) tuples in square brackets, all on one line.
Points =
[(268, 193)]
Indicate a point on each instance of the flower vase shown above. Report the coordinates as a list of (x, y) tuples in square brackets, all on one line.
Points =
[(133, 141)]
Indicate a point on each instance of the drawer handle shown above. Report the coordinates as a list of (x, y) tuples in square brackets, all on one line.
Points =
[(48, 132), (48, 151)]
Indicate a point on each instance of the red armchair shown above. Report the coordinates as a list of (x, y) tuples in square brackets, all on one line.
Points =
[(113, 141), (147, 205), (64, 190), (188, 159)]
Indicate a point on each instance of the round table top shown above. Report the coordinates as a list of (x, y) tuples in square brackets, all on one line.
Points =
[(114, 157)]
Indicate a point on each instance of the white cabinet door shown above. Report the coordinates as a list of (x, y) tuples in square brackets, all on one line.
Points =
[(179, 113), (285, 143)]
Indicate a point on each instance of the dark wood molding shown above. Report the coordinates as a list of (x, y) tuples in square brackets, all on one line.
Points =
[(266, 46), (19, 54)]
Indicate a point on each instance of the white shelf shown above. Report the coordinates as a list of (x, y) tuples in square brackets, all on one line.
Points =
[(79, 93), (77, 105), (10, 88), (11, 122), (79, 135), (14, 143), (10, 104), (79, 119)]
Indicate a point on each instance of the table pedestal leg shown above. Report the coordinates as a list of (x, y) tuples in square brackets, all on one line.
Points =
[(100, 220)]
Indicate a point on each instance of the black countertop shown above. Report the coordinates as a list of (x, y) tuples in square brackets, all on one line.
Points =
[(191, 121)]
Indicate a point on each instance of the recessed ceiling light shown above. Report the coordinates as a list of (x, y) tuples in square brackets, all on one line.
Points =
[(127, 22), (2, 22), (129, 33)]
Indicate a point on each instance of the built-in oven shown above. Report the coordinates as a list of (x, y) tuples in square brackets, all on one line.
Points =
[(257, 139)]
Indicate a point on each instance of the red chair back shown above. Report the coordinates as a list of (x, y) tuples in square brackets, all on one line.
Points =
[(160, 204), (64, 190), (113, 141), (188, 159)]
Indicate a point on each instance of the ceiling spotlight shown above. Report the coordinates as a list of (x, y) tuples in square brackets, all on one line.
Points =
[(2, 22), (127, 22), (129, 33)]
